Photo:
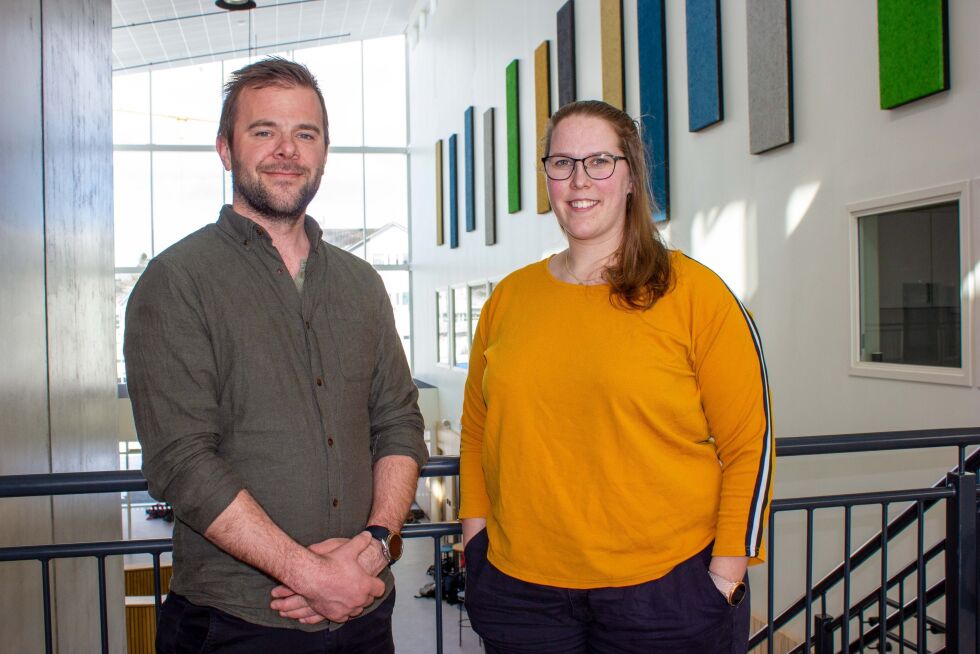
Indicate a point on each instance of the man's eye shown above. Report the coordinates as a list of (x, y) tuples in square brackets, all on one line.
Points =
[(307, 136), (262, 132)]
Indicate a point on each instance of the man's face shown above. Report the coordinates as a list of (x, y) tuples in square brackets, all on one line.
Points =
[(278, 152)]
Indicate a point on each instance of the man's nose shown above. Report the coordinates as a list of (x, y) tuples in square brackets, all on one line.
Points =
[(286, 147)]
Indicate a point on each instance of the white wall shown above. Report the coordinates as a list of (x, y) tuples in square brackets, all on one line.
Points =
[(775, 226)]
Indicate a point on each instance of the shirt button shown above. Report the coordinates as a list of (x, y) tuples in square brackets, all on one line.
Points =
[(330, 442), (319, 381), (336, 502), (258, 230), (279, 271), (247, 242), (307, 324)]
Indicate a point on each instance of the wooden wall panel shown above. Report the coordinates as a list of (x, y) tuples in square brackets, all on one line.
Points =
[(79, 259), (23, 375)]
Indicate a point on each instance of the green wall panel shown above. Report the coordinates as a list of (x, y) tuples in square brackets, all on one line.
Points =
[(913, 50), (513, 141)]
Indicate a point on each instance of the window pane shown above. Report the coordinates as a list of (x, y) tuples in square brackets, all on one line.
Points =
[(478, 296), (461, 331), (337, 69), (910, 286), (187, 191), (397, 283), (131, 208), (186, 104), (384, 92), (442, 322), (339, 206), (386, 198), (131, 108), (124, 286)]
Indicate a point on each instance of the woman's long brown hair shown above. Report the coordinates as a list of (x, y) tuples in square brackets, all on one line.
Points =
[(639, 273)]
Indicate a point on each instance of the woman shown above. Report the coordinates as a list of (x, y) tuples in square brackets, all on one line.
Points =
[(616, 453)]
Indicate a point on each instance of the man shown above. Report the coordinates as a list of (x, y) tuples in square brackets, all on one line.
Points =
[(273, 401)]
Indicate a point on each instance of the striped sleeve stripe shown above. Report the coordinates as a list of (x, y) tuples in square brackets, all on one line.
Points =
[(760, 492), (763, 481)]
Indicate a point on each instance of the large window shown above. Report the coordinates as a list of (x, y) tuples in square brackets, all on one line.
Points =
[(911, 314), (170, 182)]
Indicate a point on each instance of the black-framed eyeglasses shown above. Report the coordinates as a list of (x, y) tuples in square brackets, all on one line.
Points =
[(597, 166)]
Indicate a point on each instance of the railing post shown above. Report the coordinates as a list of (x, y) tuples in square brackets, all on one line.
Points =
[(961, 564), (823, 634)]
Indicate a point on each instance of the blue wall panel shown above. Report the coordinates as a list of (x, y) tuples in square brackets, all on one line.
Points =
[(704, 96), (469, 170), (652, 31), (453, 195)]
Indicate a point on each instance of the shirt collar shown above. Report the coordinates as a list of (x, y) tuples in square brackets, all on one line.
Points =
[(245, 230)]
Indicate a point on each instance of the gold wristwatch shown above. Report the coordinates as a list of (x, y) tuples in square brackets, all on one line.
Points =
[(734, 591)]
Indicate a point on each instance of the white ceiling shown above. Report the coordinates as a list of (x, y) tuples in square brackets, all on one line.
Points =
[(153, 32)]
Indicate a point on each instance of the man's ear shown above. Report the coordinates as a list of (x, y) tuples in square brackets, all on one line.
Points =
[(224, 151)]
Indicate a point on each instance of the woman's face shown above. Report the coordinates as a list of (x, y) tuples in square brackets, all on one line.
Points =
[(588, 210)]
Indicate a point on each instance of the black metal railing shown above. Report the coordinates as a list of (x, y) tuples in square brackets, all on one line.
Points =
[(959, 587), (957, 490), (115, 481)]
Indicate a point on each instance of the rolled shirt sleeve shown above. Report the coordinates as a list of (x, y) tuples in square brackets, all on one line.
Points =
[(173, 381)]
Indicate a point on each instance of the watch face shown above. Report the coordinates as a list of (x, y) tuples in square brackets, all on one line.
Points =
[(395, 547), (738, 594)]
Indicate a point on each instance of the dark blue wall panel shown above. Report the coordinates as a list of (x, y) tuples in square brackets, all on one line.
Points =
[(469, 173), (453, 195), (652, 32), (704, 96)]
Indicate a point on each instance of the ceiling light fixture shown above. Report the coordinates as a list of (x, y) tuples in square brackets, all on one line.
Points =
[(235, 5)]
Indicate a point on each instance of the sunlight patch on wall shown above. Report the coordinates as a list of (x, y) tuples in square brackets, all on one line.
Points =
[(718, 240), (799, 203)]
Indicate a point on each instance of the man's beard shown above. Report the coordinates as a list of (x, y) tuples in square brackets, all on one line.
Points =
[(287, 208)]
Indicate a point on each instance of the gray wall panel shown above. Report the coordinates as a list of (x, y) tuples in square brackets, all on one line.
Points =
[(770, 74), (80, 298), (23, 375)]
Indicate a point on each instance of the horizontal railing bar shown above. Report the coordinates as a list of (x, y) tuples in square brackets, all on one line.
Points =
[(76, 550), (117, 481), (856, 499), (160, 545), (877, 441)]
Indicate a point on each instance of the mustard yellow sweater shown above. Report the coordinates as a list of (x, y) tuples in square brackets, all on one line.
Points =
[(605, 446)]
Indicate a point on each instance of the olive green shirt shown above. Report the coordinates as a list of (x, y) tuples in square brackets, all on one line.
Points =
[(239, 381)]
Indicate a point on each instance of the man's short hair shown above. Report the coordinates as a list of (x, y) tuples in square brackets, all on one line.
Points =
[(271, 71)]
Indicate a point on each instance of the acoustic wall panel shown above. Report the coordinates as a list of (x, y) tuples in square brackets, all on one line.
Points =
[(566, 53), (513, 139), (611, 28), (913, 50), (704, 94), (542, 113), (453, 195), (489, 185), (440, 238), (652, 32), (770, 74), (469, 170)]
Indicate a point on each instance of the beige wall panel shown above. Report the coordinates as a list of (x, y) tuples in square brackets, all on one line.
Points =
[(23, 375), (542, 114), (80, 302), (611, 26)]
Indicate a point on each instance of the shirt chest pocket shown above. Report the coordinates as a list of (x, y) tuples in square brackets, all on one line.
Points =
[(355, 344)]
